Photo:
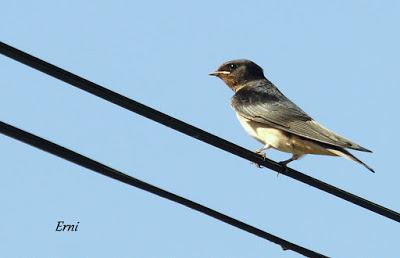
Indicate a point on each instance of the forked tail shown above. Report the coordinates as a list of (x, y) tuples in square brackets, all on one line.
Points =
[(345, 154)]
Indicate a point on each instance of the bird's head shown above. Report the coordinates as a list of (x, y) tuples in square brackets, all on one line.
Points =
[(236, 73)]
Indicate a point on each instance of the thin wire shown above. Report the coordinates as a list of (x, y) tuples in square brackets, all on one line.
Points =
[(102, 169), (187, 129)]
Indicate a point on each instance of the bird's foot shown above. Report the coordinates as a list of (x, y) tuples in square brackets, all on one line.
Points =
[(262, 154), (285, 162), (284, 165)]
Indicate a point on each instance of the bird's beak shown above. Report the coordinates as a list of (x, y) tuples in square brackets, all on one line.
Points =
[(217, 73)]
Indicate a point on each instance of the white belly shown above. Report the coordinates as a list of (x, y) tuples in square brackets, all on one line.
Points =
[(281, 140)]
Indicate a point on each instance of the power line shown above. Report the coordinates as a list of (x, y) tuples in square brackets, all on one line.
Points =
[(102, 169), (187, 129)]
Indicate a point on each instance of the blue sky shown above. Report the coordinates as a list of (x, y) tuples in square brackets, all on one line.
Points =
[(338, 60)]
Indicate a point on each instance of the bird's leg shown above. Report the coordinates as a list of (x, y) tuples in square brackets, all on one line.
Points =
[(261, 153), (285, 162), (294, 157), (260, 150)]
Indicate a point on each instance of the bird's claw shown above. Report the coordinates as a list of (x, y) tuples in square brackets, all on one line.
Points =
[(262, 154), (284, 166), (283, 163)]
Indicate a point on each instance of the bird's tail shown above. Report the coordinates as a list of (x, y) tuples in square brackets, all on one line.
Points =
[(345, 154)]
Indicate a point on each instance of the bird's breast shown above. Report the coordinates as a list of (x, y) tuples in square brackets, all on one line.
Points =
[(266, 135)]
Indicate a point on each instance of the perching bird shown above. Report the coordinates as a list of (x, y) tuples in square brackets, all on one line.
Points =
[(271, 118)]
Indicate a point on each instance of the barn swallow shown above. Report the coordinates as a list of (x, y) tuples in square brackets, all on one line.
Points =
[(275, 121)]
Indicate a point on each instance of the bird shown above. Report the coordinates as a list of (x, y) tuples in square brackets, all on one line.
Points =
[(270, 117)]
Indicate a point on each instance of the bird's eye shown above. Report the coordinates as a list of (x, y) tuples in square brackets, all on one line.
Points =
[(232, 66)]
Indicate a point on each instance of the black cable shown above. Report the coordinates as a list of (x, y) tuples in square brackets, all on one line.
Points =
[(102, 169), (187, 129)]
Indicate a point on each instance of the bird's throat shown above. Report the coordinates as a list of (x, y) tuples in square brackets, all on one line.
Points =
[(233, 84)]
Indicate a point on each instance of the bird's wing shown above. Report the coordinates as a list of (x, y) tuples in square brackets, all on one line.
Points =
[(266, 104)]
